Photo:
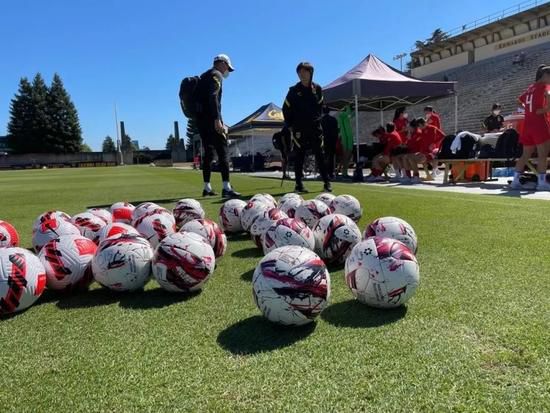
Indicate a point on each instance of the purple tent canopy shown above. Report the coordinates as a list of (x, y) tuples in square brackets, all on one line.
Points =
[(378, 86)]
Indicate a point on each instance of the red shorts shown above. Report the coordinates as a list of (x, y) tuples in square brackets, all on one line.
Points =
[(533, 137)]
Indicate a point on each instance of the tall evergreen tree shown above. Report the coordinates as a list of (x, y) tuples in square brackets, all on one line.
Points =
[(126, 143), (85, 147), (21, 118), (108, 145), (171, 143)]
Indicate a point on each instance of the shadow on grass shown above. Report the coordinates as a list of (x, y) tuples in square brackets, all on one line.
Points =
[(157, 298), (354, 314), (49, 296), (256, 335), (88, 299), (252, 252), (137, 202), (247, 276), (243, 236)]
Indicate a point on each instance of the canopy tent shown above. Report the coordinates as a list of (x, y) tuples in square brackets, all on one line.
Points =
[(373, 85), (265, 121)]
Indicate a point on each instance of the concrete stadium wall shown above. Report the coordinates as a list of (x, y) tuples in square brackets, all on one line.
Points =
[(451, 62), (513, 44)]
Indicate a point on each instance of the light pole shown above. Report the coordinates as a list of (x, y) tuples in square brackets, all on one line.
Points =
[(400, 57), (120, 158)]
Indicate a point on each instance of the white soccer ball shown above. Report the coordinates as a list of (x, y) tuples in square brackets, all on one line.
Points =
[(262, 224), (290, 195), (116, 228), (8, 235), (122, 212), (50, 216), (290, 205), (143, 208), (68, 262), (210, 231), (123, 262), (288, 231), (291, 285), (52, 227), (186, 210), (251, 212), (266, 199), (89, 225), (154, 228), (382, 272), (183, 262), (311, 212), (22, 279), (102, 213), (326, 197), (392, 227), (229, 217), (347, 205), (335, 236)]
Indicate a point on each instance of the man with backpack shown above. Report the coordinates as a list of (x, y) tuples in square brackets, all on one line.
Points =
[(200, 98)]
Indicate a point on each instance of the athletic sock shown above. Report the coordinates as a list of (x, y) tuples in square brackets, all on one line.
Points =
[(227, 186), (542, 179), (207, 187)]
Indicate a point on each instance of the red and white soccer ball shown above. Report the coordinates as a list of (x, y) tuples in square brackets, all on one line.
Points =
[(143, 209), (186, 210), (266, 199), (154, 228), (288, 231), (122, 212), (116, 228), (68, 262), (290, 195), (50, 216), (392, 227), (290, 205), (335, 236), (8, 235), (22, 279), (230, 216), (251, 212), (123, 262), (347, 205), (89, 225), (210, 231), (262, 224), (291, 285), (311, 212), (183, 262), (382, 272), (326, 198), (51, 227), (102, 213)]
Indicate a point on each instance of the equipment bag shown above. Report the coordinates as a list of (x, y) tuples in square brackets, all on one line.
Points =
[(188, 96), (508, 146)]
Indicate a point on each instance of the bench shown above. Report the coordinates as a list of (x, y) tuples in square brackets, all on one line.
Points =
[(465, 162)]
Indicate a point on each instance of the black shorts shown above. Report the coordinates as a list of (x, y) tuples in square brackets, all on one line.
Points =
[(209, 135), (399, 150)]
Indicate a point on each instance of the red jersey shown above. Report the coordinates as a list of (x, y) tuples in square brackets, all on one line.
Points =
[(393, 140), (401, 128), (434, 120), (534, 98), (415, 141), (426, 140)]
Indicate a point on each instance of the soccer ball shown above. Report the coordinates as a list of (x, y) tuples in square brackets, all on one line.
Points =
[(22, 279), (382, 272), (183, 262), (89, 225), (114, 229), (311, 211), (123, 262), (290, 205), (210, 231), (288, 231), (155, 227), (326, 197), (230, 215), (50, 216), (251, 212), (51, 228), (291, 285), (102, 213), (335, 236), (262, 224), (187, 210), (392, 227), (290, 195), (265, 198), (143, 208), (68, 262), (122, 212), (8, 235), (347, 205)]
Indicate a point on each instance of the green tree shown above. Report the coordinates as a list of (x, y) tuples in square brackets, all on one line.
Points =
[(126, 144), (85, 148), (108, 145), (20, 133), (171, 143)]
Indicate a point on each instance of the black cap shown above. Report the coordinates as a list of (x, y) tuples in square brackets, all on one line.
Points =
[(496, 106)]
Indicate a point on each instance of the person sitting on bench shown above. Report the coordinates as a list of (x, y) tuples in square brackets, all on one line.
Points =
[(391, 140)]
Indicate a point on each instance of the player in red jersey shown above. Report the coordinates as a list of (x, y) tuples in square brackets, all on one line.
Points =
[(432, 117), (536, 129), (392, 149), (401, 122)]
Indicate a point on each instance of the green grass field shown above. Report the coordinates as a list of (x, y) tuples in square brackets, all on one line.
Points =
[(476, 337)]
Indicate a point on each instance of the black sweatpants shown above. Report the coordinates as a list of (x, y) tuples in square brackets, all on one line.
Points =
[(300, 145), (330, 154), (213, 141)]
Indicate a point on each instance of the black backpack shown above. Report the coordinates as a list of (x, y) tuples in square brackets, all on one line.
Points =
[(445, 148), (486, 151), (468, 148), (188, 96), (508, 146), (281, 141)]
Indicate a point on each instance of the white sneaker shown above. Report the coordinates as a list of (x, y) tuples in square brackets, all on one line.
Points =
[(543, 187), (406, 180), (415, 180)]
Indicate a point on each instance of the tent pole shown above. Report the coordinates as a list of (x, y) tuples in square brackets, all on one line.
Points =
[(456, 113), (382, 117), (358, 174), (252, 142)]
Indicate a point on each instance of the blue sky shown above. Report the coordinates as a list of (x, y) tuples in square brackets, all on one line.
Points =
[(135, 52)]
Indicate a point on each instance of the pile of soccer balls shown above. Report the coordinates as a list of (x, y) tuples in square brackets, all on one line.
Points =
[(291, 284), (120, 248)]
